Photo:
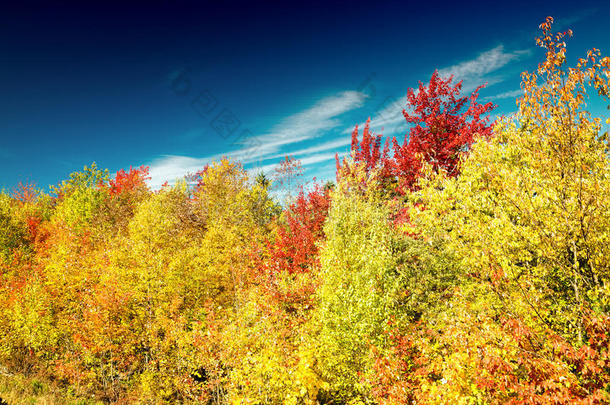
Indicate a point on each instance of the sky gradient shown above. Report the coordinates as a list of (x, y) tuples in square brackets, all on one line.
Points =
[(174, 86)]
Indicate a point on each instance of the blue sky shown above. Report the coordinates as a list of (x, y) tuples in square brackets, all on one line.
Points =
[(174, 86)]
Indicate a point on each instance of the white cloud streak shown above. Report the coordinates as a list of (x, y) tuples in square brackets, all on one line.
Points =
[(507, 94), (487, 62), (305, 125), (336, 144), (567, 22), (170, 168)]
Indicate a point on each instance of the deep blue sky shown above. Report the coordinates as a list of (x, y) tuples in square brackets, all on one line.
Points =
[(163, 84)]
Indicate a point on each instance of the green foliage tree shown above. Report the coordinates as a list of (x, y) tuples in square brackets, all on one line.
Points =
[(362, 286)]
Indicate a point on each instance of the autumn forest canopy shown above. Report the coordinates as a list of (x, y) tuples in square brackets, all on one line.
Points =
[(468, 262)]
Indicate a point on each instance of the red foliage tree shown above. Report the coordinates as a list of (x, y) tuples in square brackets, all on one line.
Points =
[(293, 253), (368, 151), (445, 127), (129, 181), (295, 248)]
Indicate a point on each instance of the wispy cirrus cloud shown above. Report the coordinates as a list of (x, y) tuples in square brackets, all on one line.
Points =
[(485, 63), (171, 167), (330, 145), (506, 94), (567, 22), (305, 125), (308, 124)]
